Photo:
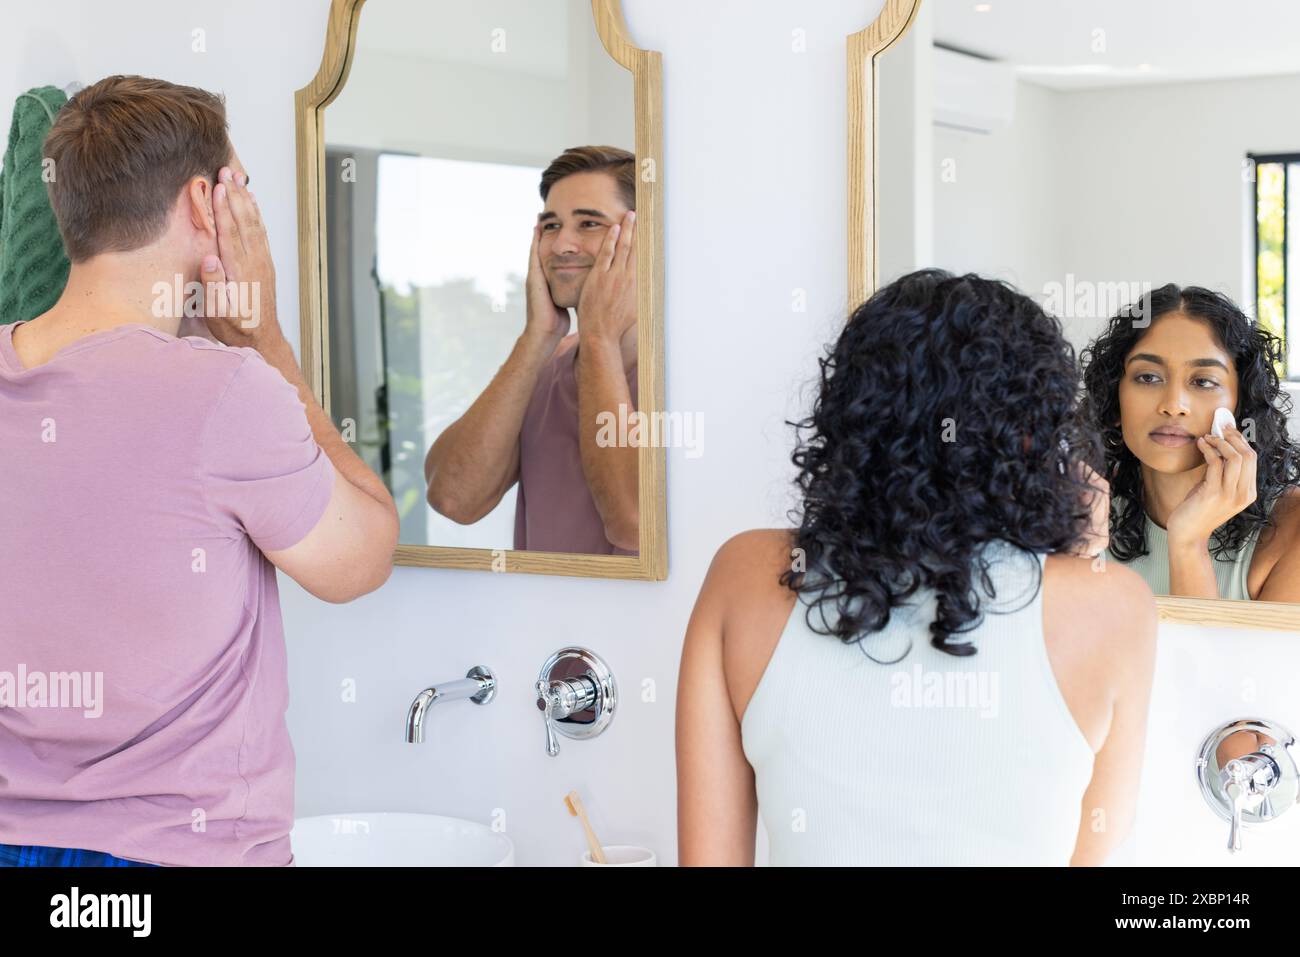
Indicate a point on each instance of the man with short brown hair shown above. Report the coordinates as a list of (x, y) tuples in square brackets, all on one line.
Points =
[(540, 421), (152, 485)]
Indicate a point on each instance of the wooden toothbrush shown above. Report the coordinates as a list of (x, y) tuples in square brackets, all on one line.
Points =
[(574, 804)]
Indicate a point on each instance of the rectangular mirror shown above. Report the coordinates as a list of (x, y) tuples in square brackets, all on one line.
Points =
[(1134, 168), (482, 278)]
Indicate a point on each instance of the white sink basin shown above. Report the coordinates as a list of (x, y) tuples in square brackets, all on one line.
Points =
[(390, 839)]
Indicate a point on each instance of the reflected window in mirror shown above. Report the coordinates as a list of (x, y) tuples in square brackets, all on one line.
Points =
[(1276, 179)]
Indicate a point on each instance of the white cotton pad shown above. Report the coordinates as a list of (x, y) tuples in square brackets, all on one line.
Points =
[(1222, 419)]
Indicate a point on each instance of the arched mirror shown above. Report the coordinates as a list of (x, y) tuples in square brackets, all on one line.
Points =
[(481, 269)]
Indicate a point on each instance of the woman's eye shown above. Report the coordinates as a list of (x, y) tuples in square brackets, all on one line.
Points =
[(1206, 384), (1146, 377)]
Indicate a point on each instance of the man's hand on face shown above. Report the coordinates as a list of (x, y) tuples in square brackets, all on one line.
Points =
[(545, 320), (239, 286), (607, 304)]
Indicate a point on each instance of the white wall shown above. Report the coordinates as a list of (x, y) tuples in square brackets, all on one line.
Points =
[(1137, 184), (1155, 180), (755, 196), (998, 205), (1206, 678)]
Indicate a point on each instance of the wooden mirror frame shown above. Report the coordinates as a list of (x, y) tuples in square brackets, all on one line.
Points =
[(863, 73), (647, 76)]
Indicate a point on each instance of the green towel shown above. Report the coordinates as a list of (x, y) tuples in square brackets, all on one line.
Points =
[(33, 265)]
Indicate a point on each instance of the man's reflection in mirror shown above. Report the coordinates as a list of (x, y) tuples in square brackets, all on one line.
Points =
[(556, 416)]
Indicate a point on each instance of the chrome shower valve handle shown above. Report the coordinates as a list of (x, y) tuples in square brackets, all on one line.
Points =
[(553, 703), (1253, 788), (576, 694), (1237, 793)]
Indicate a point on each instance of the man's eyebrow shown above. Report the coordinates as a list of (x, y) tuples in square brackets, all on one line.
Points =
[(551, 214), (1197, 363)]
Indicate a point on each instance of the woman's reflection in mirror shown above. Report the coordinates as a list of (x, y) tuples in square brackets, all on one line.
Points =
[(1196, 514)]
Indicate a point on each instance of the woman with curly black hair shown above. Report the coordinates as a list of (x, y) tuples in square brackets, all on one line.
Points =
[(928, 669), (1196, 514)]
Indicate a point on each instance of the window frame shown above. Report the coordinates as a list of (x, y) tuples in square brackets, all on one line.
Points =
[(1286, 160)]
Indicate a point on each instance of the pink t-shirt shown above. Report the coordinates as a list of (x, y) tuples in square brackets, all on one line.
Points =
[(140, 474), (554, 509)]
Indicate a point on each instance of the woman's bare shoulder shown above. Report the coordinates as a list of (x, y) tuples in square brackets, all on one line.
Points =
[(756, 551), (755, 604), (1096, 598), (1099, 628), (1286, 518), (1275, 567), (746, 575)]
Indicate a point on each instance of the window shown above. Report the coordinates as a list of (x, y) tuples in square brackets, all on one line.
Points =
[(452, 239), (1277, 251)]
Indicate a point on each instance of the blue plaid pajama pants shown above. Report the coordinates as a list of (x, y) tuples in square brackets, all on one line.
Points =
[(29, 855)]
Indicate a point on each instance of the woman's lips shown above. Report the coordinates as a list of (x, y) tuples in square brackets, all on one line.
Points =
[(1171, 440)]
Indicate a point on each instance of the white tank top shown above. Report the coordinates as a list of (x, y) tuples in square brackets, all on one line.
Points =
[(933, 760), (1231, 573)]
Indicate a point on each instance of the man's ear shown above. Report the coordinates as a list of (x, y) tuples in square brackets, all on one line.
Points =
[(199, 196)]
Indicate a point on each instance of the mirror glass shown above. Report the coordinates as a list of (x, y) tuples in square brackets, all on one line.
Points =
[(1134, 168), (459, 393)]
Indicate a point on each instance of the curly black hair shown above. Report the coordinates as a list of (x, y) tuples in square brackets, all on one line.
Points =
[(948, 417), (1255, 353)]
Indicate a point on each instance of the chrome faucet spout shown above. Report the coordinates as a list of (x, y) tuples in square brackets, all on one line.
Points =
[(479, 686)]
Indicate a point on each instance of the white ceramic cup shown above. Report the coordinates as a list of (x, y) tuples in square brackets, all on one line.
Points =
[(622, 855)]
